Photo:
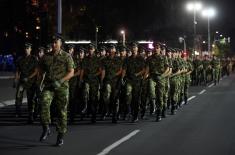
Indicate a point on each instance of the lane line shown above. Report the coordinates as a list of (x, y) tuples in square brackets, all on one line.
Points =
[(6, 77), (10, 102), (202, 91), (192, 97), (211, 85), (117, 143)]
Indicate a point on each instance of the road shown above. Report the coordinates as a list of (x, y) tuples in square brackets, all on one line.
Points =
[(204, 127)]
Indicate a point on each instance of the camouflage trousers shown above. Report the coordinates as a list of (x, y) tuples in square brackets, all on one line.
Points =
[(186, 87), (110, 97), (216, 75), (60, 98), (159, 91), (174, 89), (133, 95), (30, 91), (91, 95)]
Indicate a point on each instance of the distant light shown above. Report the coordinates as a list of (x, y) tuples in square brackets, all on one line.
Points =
[(26, 33), (110, 42), (194, 6), (122, 32), (209, 12), (78, 42), (37, 27), (213, 45), (150, 46), (217, 32), (221, 35), (204, 42), (145, 42)]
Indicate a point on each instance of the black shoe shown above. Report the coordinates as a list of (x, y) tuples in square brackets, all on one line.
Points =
[(93, 120), (173, 110), (164, 114), (46, 132), (60, 140), (135, 120), (114, 120), (158, 118)]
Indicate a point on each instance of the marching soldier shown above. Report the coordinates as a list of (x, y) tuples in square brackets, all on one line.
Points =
[(58, 68), (26, 71)]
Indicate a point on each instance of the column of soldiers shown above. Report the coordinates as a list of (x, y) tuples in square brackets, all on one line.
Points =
[(121, 83)]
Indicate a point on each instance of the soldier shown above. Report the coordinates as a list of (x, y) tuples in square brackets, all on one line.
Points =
[(26, 71), (73, 85), (112, 74), (157, 67), (58, 68), (167, 84), (174, 82), (216, 69), (189, 69), (206, 69), (90, 75), (134, 69)]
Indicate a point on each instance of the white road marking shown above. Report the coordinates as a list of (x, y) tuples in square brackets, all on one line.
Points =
[(10, 102), (211, 85), (6, 77), (117, 143), (192, 97), (202, 92)]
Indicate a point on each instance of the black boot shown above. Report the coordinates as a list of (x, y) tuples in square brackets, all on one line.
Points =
[(153, 107), (46, 132), (60, 140), (164, 112), (30, 118), (173, 109), (158, 117), (185, 100)]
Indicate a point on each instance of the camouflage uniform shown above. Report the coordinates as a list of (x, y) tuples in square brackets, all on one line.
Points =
[(174, 84), (55, 68), (189, 68), (90, 66), (133, 65), (157, 65), (26, 66), (112, 85), (216, 70)]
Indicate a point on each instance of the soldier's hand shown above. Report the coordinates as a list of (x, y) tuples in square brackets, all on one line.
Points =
[(57, 84), (25, 80)]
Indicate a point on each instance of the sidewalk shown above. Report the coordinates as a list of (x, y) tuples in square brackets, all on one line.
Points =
[(6, 75)]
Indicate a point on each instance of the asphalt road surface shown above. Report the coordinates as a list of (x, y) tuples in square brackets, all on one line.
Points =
[(204, 127)]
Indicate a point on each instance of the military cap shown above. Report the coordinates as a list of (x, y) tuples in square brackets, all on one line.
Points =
[(57, 36), (155, 44), (91, 46), (111, 46), (102, 48), (134, 44), (71, 46), (27, 45), (81, 49), (122, 48), (41, 48)]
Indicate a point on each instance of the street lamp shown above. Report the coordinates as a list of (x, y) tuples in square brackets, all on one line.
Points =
[(194, 7), (182, 39), (209, 13), (123, 37)]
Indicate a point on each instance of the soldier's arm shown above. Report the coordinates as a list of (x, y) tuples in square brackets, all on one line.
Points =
[(119, 72), (77, 72), (35, 73), (70, 70), (102, 74)]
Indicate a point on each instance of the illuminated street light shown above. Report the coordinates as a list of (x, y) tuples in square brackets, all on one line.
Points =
[(194, 7), (37, 27), (123, 37), (182, 39), (209, 13)]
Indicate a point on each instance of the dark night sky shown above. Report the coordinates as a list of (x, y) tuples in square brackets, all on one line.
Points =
[(142, 19)]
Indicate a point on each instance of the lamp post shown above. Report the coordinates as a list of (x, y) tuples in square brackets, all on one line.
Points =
[(123, 37), (182, 39), (194, 7), (209, 13), (59, 16)]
